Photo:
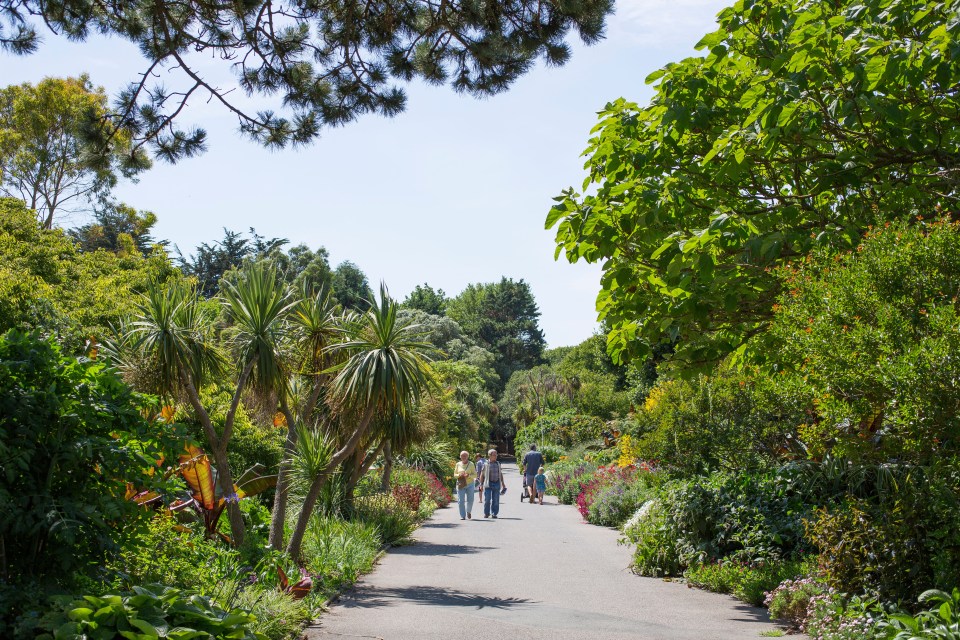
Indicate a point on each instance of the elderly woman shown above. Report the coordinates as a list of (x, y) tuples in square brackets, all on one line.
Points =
[(465, 473)]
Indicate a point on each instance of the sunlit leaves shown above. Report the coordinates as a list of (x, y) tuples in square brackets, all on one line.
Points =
[(800, 124)]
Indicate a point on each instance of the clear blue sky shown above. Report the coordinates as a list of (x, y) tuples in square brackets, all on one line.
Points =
[(454, 190)]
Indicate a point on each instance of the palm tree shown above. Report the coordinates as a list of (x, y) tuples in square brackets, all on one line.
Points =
[(384, 369), (176, 331), (313, 328)]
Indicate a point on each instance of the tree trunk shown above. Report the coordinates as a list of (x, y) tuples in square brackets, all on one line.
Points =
[(303, 519), (279, 516), (225, 479), (219, 450), (309, 502), (360, 464), (387, 467)]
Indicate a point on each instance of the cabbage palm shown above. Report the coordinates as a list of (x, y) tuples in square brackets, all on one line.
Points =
[(313, 328), (384, 368), (175, 330)]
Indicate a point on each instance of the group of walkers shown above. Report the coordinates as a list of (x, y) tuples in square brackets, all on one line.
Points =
[(485, 476)]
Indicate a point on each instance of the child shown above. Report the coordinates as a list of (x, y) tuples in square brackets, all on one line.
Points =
[(541, 482)]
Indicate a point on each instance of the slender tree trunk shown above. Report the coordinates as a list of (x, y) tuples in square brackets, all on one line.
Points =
[(303, 519), (225, 478), (279, 516), (218, 448), (387, 467), (358, 465)]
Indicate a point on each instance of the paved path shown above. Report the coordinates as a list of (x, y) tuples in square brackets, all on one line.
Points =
[(538, 572)]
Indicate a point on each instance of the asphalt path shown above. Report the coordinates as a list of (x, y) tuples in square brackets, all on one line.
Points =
[(537, 572)]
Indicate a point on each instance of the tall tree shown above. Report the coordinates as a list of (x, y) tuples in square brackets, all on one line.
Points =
[(176, 333), (351, 288), (214, 260), (802, 124), (323, 65), (384, 370), (47, 154), (502, 317), (117, 227), (426, 298)]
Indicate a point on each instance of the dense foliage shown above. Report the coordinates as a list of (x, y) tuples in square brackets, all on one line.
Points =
[(71, 439), (800, 125)]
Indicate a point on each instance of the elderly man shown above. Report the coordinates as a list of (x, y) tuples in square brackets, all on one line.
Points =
[(491, 481)]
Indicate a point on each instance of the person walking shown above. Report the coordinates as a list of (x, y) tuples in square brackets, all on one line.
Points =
[(465, 473), (541, 481), (491, 482), (479, 464), (532, 461)]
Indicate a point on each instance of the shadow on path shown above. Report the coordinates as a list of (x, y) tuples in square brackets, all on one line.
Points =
[(434, 549), (432, 596), (750, 614)]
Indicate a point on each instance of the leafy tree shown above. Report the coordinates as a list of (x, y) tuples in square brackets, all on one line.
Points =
[(71, 437), (874, 334), (117, 228), (213, 261), (427, 299), (305, 269), (47, 284), (802, 124), (503, 318), (324, 65), (351, 288), (448, 338), (46, 152)]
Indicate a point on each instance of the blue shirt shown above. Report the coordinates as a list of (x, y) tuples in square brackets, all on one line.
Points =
[(541, 481)]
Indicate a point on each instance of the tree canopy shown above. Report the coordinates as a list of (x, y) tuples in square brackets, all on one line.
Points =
[(502, 317), (802, 124), (426, 298), (47, 155), (323, 65)]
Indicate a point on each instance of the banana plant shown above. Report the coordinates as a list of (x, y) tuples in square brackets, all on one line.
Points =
[(207, 500)]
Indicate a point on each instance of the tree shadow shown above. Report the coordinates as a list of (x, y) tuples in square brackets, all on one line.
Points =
[(750, 613), (432, 596), (438, 525), (433, 549)]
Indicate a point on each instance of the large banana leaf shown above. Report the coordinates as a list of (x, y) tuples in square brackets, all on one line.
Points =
[(200, 476), (253, 481)]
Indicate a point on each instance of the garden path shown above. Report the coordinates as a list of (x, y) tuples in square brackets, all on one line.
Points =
[(537, 572)]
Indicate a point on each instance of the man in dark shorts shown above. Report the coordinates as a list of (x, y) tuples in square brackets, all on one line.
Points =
[(532, 461)]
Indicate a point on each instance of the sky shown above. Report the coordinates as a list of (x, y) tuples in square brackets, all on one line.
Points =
[(453, 191)]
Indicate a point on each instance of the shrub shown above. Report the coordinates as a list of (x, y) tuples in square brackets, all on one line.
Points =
[(167, 553), (790, 601), (747, 519), (408, 496), (941, 622), (614, 494), (566, 479), (71, 437), (394, 522), (893, 547), (338, 552), (428, 483), (564, 428), (748, 582), (147, 612), (551, 452), (655, 541), (277, 615)]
